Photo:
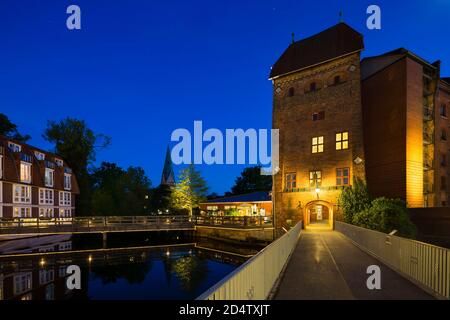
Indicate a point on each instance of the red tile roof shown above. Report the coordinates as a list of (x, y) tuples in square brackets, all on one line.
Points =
[(331, 43)]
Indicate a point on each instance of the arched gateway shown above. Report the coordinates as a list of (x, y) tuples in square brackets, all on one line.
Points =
[(318, 214)]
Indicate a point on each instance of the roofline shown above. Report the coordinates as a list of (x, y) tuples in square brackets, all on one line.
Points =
[(2, 137), (407, 53), (315, 65), (259, 201)]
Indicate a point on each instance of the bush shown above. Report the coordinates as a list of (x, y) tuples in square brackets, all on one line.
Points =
[(385, 215), (354, 199)]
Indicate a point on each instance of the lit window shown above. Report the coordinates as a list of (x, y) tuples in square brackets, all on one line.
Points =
[(67, 181), (64, 198), (291, 181), (22, 194), (22, 212), (315, 178), (48, 177), (39, 155), (317, 144), (212, 208), (14, 147), (59, 162), (46, 196), (65, 213), (342, 176), (46, 213), (25, 172), (342, 140)]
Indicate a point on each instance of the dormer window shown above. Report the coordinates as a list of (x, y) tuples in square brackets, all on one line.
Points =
[(59, 162), (14, 147), (39, 155)]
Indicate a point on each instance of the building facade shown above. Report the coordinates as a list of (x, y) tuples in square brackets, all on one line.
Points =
[(317, 108), (34, 183), (382, 119)]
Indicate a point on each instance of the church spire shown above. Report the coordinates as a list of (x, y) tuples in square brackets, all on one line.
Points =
[(168, 177)]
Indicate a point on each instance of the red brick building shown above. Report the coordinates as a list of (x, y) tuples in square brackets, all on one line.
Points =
[(382, 119), (34, 183)]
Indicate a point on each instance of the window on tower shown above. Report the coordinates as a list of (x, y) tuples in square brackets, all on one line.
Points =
[(317, 144), (342, 140), (315, 178), (342, 176), (318, 115), (291, 181), (291, 92)]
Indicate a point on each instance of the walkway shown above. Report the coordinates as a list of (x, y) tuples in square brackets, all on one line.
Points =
[(326, 265)]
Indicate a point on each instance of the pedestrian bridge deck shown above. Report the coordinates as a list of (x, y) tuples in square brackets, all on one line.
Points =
[(326, 265)]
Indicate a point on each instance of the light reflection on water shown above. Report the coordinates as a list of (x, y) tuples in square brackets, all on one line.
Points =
[(163, 272)]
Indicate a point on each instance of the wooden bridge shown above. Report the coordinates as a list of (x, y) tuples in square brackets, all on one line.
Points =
[(11, 227), (44, 226)]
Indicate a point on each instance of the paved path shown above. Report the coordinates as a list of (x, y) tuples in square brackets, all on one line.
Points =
[(326, 265)]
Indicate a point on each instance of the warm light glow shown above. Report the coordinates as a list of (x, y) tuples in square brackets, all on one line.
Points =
[(42, 262), (90, 258), (317, 190), (167, 253)]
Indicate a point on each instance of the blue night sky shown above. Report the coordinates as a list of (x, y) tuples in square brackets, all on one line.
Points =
[(138, 69)]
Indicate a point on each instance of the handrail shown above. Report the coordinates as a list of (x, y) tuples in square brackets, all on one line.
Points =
[(232, 221), (82, 224), (425, 264), (255, 279)]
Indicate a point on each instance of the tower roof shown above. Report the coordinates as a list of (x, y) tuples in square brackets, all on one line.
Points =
[(331, 43), (168, 177)]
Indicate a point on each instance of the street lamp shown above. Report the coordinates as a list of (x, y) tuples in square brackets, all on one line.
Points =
[(317, 185)]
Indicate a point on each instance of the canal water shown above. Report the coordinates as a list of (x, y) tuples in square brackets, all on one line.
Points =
[(137, 266)]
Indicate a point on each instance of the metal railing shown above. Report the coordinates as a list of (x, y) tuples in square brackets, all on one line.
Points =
[(92, 224), (423, 263), (255, 279), (233, 221)]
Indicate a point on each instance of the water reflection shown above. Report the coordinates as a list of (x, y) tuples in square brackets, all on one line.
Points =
[(179, 271)]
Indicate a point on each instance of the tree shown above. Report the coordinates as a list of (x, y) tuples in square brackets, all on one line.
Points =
[(385, 215), (160, 198), (119, 192), (190, 190), (251, 180), (354, 199), (77, 144), (9, 129)]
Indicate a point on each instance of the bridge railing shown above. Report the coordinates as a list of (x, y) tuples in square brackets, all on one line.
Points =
[(255, 279), (38, 225), (425, 264), (233, 221)]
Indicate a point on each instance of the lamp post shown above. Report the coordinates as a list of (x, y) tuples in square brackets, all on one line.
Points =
[(317, 185)]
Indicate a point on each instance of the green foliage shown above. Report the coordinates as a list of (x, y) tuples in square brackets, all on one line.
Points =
[(77, 144), (9, 129), (232, 212), (190, 190), (251, 180), (354, 199), (118, 192), (386, 215)]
